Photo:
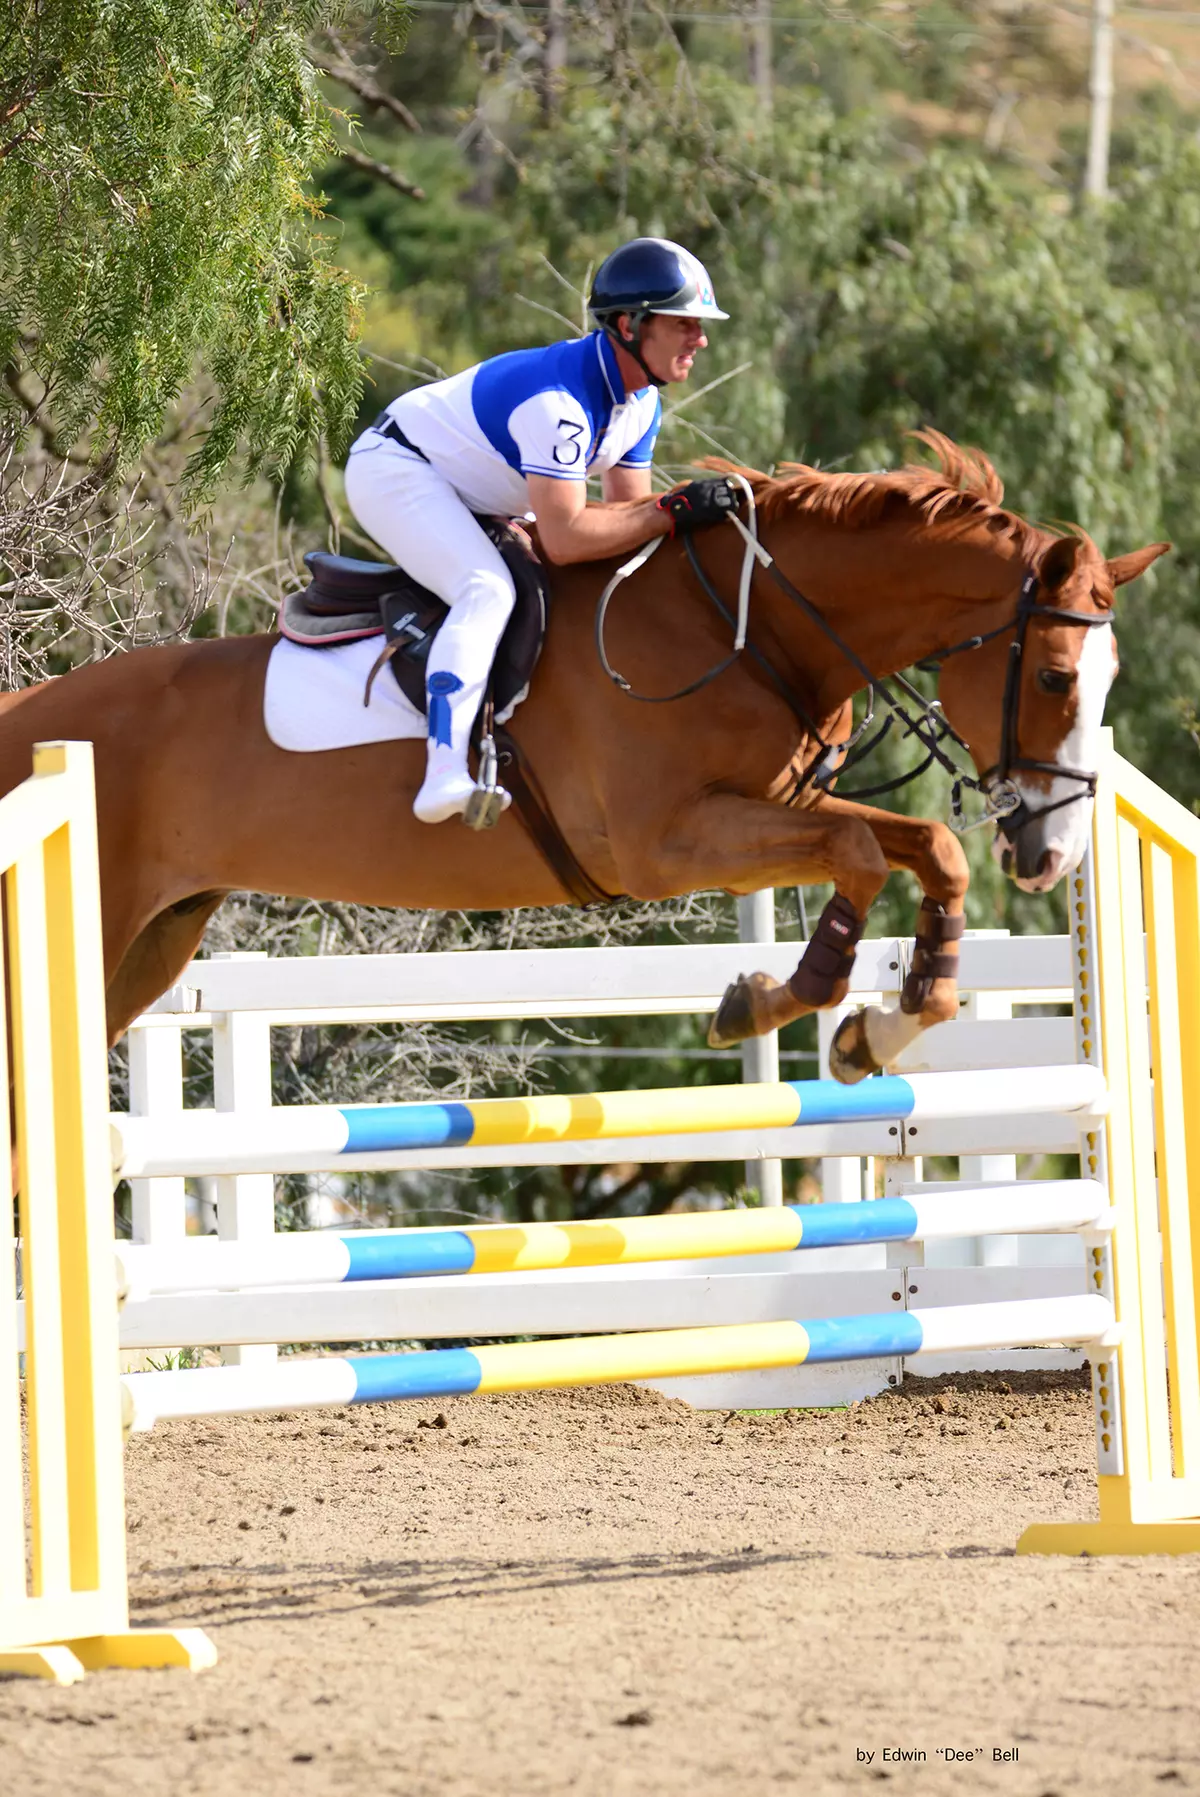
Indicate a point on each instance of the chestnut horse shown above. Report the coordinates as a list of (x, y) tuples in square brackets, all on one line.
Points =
[(194, 801)]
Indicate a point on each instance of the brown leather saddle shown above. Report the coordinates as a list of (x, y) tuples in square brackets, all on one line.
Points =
[(348, 600)]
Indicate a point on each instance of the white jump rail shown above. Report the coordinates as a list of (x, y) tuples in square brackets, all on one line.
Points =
[(565, 982)]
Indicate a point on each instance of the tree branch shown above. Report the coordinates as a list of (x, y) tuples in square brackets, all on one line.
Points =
[(327, 499), (32, 409), (368, 92), (382, 172), (8, 148)]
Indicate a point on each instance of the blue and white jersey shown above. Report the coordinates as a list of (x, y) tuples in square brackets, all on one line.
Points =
[(561, 412)]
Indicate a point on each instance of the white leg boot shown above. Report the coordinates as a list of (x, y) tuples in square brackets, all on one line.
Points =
[(448, 787)]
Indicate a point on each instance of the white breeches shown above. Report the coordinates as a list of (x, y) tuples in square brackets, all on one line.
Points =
[(414, 513)]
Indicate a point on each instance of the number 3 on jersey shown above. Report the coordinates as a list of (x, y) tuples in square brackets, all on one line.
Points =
[(568, 449)]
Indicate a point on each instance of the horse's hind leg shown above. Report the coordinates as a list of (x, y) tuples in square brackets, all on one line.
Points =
[(156, 957)]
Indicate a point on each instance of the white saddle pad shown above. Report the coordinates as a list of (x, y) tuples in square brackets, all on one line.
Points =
[(313, 699)]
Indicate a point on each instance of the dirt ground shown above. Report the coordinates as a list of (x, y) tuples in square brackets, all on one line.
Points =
[(607, 1594)]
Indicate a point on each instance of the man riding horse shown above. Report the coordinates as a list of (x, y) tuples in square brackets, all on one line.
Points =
[(522, 433), (847, 580)]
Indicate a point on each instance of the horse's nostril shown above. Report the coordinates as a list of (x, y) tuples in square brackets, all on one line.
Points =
[(1006, 859), (1045, 861)]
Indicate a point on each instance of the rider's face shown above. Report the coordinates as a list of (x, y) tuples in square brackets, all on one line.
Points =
[(669, 345)]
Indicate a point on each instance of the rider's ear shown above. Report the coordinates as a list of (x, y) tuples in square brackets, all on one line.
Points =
[(1124, 568), (1059, 563)]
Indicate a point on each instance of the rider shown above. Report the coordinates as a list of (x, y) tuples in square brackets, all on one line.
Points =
[(521, 433)]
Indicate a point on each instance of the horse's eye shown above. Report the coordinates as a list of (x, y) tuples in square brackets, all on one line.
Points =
[(1054, 680)]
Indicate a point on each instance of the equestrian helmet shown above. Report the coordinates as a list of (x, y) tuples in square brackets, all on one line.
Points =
[(652, 274)]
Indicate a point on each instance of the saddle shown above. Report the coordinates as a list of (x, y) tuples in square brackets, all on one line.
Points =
[(348, 600)]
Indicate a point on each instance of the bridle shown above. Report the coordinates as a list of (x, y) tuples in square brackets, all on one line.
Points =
[(930, 727), (1010, 759)]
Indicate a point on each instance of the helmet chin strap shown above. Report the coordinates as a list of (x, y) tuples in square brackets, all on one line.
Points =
[(632, 347)]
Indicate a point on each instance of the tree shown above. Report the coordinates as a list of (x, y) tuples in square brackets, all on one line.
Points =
[(156, 216)]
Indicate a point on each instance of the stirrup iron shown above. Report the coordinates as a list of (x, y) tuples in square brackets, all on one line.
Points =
[(486, 804)]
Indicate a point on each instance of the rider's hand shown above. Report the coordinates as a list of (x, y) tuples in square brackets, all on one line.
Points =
[(709, 500)]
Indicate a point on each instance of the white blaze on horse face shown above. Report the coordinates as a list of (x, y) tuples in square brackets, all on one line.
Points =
[(1062, 835)]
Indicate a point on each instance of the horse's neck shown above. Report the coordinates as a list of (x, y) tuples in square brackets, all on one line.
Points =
[(893, 593)]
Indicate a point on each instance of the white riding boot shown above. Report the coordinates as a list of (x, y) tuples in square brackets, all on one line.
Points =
[(448, 787)]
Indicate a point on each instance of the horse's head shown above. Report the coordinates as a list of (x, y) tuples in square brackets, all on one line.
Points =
[(1030, 703)]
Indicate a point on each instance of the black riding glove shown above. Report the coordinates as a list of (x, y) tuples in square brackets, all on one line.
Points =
[(706, 501)]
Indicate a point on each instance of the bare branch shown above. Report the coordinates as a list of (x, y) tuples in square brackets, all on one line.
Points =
[(551, 313), (689, 399), (382, 172), (15, 142), (689, 424), (360, 83), (79, 568), (332, 514), (431, 372)]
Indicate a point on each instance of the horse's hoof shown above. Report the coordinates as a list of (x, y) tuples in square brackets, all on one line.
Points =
[(850, 1057), (740, 1013)]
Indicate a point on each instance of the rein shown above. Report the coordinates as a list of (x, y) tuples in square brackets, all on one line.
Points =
[(930, 727), (754, 549)]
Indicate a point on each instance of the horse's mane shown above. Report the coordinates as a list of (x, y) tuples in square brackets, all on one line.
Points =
[(961, 493)]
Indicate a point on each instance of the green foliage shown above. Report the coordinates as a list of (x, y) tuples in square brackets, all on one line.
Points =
[(1152, 228), (154, 211)]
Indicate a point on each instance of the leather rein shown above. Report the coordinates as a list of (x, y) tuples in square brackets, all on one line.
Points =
[(915, 715)]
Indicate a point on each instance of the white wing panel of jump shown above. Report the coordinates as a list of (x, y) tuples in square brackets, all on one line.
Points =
[(826, 1387), (939, 1286), (570, 982), (993, 1135)]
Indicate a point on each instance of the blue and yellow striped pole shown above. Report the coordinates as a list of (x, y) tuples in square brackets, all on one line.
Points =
[(326, 1258), (608, 1359), (307, 1137)]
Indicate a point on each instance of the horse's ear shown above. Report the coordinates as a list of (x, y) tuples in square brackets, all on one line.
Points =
[(1059, 563), (1124, 568)]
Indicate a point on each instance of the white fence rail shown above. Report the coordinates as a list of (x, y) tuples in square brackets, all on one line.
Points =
[(567, 982)]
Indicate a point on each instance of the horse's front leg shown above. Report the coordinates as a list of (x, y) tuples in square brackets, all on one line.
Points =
[(744, 845), (874, 1038)]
